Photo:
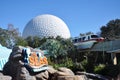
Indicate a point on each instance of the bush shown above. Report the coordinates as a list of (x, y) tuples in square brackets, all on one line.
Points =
[(99, 68), (108, 70), (64, 63), (84, 64), (111, 70)]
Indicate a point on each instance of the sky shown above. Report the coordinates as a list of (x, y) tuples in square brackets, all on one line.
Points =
[(81, 16)]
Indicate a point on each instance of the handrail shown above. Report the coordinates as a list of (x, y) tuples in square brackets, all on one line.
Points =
[(106, 46)]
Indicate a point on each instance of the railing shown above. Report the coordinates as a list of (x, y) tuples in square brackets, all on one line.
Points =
[(106, 46)]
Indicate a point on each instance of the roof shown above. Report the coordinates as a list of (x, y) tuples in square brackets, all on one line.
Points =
[(4, 55)]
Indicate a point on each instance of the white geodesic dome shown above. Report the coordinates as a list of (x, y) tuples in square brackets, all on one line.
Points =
[(46, 26)]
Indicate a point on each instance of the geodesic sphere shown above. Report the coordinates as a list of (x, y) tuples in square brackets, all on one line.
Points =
[(46, 26)]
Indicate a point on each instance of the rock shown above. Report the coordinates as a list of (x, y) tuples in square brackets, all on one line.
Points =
[(51, 70), (76, 77), (1, 74), (5, 78), (64, 72), (23, 74), (42, 75), (11, 68), (17, 48), (15, 68), (6, 69), (16, 54)]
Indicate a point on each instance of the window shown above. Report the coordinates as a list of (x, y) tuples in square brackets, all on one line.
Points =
[(79, 39), (94, 36), (88, 37), (83, 38), (75, 40)]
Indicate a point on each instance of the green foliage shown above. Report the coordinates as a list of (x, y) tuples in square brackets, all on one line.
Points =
[(3, 37), (68, 62), (99, 68), (3, 41), (111, 70), (35, 41), (84, 64), (8, 37), (52, 46), (111, 30), (57, 48), (65, 63), (108, 70), (29, 41), (20, 41)]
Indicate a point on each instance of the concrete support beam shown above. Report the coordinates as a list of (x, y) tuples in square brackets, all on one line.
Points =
[(114, 58)]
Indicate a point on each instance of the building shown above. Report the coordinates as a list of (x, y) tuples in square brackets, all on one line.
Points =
[(46, 26)]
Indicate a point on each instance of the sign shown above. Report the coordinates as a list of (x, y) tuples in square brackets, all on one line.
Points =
[(35, 61)]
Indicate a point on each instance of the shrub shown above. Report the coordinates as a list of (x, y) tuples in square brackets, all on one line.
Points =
[(111, 70), (64, 63), (107, 70), (84, 64), (99, 68)]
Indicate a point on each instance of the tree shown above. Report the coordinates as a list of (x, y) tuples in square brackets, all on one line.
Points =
[(53, 48), (36, 42), (3, 36), (6, 38), (29, 40), (111, 30), (21, 41), (59, 49), (2, 41)]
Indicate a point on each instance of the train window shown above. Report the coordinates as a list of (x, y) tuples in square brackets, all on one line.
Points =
[(83, 38), (79, 39), (88, 37), (94, 36), (75, 40)]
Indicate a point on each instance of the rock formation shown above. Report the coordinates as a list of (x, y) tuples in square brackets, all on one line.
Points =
[(15, 69)]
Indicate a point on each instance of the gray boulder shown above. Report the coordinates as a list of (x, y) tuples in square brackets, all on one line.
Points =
[(42, 75), (23, 74), (63, 71), (51, 70), (11, 67)]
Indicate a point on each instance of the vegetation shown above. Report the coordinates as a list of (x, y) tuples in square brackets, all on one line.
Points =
[(57, 48), (111, 30), (63, 53), (21, 41), (99, 68), (9, 37)]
